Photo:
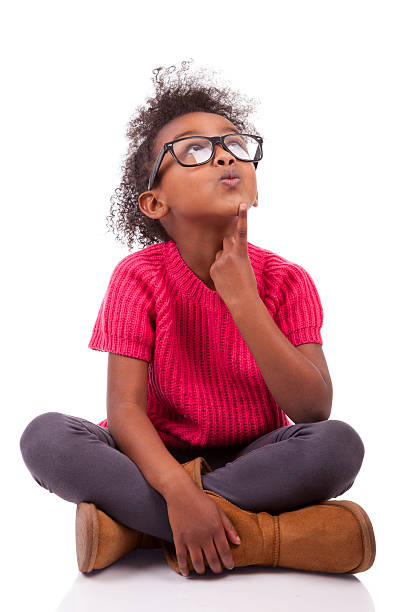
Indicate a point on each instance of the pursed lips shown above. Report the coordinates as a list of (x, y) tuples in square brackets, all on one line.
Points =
[(231, 181), (230, 178)]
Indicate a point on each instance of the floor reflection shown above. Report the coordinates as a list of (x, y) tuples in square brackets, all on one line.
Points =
[(143, 580)]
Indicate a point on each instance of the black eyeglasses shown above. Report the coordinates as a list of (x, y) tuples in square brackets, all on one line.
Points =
[(198, 150)]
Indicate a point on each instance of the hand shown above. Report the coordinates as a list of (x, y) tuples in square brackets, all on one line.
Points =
[(232, 272), (198, 523)]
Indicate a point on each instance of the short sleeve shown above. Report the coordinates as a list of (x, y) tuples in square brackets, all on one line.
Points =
[(299, 312), (126, 319)]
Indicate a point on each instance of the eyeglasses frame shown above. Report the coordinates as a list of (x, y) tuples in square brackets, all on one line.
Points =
[(168, 146)]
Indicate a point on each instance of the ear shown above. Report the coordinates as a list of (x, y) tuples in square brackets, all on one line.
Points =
[(256, 200), (145, 201), (151, 206)]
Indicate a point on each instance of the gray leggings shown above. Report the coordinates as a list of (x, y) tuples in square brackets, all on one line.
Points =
[(282, 470)]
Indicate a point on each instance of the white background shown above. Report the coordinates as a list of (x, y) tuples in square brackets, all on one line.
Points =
[(332, 80)]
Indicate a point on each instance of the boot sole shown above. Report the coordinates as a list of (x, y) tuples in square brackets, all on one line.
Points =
[(86, 535), (367, 532)]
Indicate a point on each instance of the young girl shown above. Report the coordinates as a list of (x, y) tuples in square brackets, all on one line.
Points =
[(218, 391)]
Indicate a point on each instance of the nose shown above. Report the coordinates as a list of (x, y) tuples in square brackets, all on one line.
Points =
[(221, 155)]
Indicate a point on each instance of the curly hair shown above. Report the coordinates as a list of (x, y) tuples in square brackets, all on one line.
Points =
[(189, 93)]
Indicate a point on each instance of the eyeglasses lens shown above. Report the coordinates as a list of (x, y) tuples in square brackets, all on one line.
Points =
[(197, 150)]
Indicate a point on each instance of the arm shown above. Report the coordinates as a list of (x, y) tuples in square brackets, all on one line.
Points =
[(133, 431), (295, 382), (195, 519)]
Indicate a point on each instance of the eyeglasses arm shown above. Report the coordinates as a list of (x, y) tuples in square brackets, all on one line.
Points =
[(155, 167)]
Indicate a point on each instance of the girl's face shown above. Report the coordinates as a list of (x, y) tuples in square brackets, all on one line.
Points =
[(193, 198)]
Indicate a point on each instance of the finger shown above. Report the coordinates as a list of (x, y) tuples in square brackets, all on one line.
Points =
[(241, 229), (181, 552), (224, 549), (212, 557), (230, 528), (197, 560)]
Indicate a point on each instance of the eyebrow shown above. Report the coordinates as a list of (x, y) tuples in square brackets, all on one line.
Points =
[(231, 131)]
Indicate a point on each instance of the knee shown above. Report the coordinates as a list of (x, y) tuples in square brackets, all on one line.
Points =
[(345, 447), (39, 436)]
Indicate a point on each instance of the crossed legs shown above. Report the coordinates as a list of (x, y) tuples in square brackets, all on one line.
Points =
[(282, 470)]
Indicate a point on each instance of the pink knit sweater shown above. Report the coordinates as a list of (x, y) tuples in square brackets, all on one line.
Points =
[(204, 386)]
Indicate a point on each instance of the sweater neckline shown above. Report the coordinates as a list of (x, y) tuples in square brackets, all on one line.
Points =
[(189, 283)]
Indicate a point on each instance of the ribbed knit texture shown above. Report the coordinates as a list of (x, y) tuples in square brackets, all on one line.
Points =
[(204, 386)]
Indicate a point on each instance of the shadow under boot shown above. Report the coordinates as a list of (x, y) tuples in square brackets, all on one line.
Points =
[(331, 536)]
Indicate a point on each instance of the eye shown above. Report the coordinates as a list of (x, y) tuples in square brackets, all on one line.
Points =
[(195, 147), (238, 145)]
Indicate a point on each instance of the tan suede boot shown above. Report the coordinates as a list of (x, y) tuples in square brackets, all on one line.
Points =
[(100, 540), (331, 536)]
